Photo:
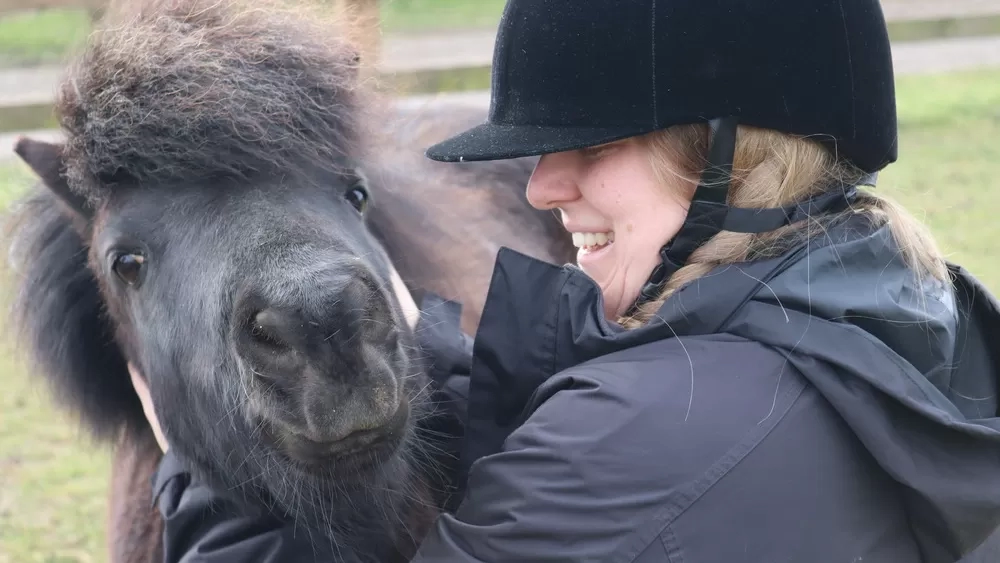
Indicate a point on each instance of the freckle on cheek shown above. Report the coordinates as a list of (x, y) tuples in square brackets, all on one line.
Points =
[(628, 228)]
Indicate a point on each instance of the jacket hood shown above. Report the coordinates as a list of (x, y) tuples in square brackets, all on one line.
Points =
[(908, 365)]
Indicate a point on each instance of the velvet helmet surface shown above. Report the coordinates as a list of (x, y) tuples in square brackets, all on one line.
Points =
[(568, 74)]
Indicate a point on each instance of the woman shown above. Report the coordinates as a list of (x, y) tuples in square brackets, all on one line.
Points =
[(754, 360)]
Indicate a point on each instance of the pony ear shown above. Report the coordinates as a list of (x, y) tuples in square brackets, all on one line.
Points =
[(46, 160)]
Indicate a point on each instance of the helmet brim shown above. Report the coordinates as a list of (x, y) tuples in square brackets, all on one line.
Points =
[(491, 141)]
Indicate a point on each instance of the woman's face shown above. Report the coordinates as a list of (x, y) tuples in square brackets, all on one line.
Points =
[(617, 211)]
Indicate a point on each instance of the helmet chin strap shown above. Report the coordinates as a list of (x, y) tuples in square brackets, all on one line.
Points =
[(709, 213)]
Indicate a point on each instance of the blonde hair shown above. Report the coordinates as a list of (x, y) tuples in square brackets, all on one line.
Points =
[(773, 169)]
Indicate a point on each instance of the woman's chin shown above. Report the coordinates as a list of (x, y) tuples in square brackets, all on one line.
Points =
[(599, 265)]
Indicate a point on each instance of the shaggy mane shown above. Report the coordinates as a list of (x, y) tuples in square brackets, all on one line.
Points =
[(58, 316), (184, 91)]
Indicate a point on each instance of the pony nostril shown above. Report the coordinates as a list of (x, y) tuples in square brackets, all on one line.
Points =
[(272, 339), (266, 328)]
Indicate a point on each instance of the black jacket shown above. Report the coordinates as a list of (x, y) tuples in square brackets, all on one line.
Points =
[(818, 407)]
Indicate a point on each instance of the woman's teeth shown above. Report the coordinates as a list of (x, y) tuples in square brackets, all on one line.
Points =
[(593, 241)]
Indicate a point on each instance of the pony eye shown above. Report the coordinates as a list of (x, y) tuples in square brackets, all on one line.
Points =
[(358, 196), (128, 267)]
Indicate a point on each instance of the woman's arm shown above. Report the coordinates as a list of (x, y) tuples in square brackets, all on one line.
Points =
[(202, 526), (439, 334)]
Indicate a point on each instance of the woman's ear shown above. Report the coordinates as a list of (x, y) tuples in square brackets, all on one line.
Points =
[(46, 160)]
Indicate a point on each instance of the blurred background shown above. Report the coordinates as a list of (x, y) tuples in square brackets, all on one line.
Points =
[(53, 481)]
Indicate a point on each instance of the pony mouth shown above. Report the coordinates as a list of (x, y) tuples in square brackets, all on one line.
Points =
[(361, 450)]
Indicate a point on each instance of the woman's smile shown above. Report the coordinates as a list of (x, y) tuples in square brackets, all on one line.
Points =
[(618, 210), (594, 246)]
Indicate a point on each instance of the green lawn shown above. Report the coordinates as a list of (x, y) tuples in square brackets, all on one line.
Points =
[(428, 15), (948, 171), (52, 483), (53, 480), (45, 36), (30, 38)]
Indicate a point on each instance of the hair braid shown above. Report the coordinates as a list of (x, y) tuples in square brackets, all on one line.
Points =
[(773, 169)]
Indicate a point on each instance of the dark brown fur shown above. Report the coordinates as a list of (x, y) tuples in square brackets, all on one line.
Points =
[(199, 99), (429, 202), (165, 88)]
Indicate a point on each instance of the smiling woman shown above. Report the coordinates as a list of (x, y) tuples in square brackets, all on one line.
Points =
[(620, 201)]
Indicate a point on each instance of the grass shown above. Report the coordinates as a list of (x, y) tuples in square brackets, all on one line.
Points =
[(53, 480), (30, 38), (44, 37), (949, 169), (430, 15), (53, 483)]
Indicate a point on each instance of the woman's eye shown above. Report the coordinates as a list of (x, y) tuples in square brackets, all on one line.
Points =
[(128, 267), (358, 196)]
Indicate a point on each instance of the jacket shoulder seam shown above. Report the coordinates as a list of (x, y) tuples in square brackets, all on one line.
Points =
[(723, 467), (670, 545), (687, 494)]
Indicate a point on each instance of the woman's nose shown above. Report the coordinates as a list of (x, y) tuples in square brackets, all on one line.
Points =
[(553, 182)]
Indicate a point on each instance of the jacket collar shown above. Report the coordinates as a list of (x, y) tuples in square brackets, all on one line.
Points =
[(540, 319)]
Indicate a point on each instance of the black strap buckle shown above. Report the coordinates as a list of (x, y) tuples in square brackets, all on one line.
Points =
[(658, 278), (710, 213)]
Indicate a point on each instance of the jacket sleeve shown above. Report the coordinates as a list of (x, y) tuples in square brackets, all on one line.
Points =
[(204, 526), (449, 350), (582, 479)]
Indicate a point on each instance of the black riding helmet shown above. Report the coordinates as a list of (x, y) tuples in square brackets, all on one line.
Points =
[(569, 74)]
